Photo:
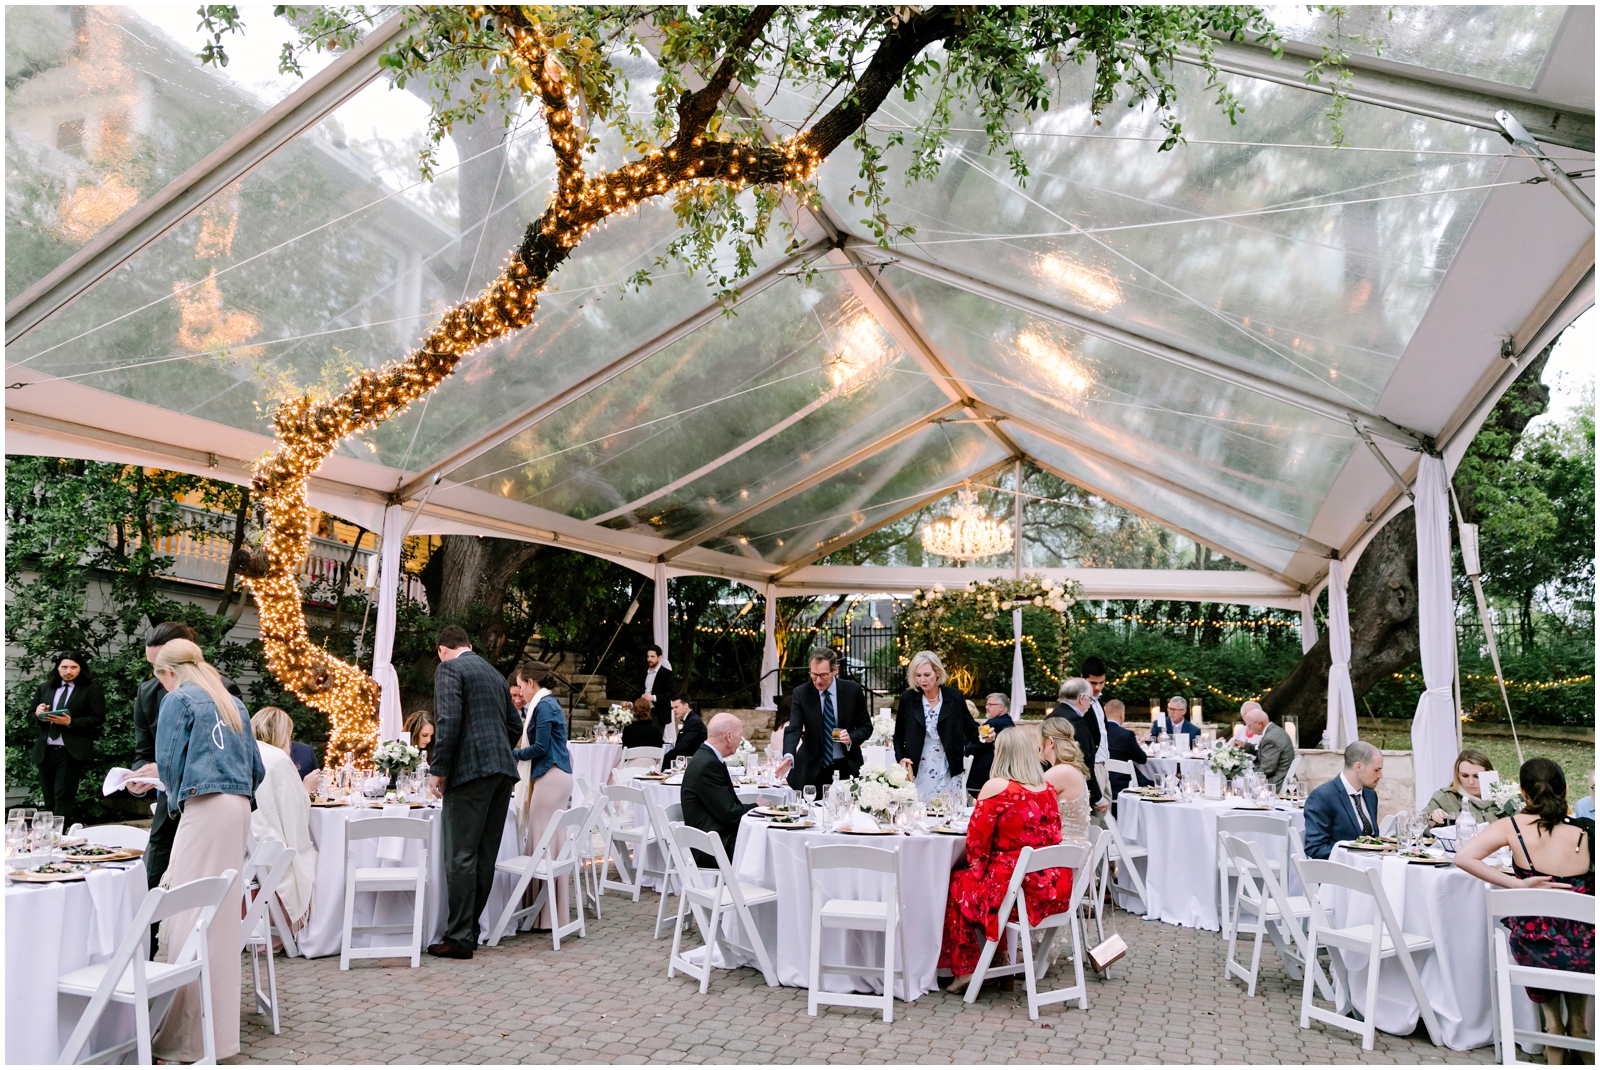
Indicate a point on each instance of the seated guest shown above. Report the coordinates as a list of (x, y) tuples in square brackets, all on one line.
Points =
[(1346, 806), (709, 800), (1548, 850), (1274, 750), (1463, 790), (1123, 746), (691, 732), (1584, 807), (1016, 809), (1067, 773), (283, 811), (645, 731), (419, 726), (997, 718), (1177, 720)]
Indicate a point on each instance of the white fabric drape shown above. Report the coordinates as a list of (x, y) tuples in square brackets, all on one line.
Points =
[(283, 811), (389, 718), (1433, 729), (768, 686), (1019, 691), (1308, 623), (658, 611), (1341, 696)]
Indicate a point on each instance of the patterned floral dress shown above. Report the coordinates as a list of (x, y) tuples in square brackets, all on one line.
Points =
[(1001, 827), (1551, 943)]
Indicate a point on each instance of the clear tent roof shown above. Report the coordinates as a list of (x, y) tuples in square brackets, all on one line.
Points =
[(1202, 336)]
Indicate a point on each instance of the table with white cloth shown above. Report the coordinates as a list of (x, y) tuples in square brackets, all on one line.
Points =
[(1181, 868), (594, 762), (1447, 905), (324, 930), (1192, 768), (776, 859), (664, 793), (51, 930)]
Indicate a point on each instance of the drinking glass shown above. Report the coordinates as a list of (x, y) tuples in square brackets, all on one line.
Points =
[(810, 793)]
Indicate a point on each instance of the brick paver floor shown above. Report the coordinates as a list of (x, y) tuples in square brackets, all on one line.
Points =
[(606, 998)]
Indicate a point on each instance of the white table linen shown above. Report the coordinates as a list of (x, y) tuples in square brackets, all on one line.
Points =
[(324, 929), (594, 762), (51, 930), (1181, 868), (1447, 905)]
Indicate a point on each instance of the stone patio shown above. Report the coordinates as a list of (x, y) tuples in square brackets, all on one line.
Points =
[(607, 999)]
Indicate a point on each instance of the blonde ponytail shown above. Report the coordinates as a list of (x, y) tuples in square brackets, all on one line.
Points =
[(186, 662)]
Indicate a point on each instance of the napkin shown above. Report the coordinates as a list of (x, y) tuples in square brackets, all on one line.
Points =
[(393, 848), (1392, 872), (860, 821), (119, 778), (103, 919)]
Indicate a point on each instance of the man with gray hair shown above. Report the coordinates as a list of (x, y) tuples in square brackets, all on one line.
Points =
[(1346, 806), (1274, 751), (1076, 695), (1177, 719)]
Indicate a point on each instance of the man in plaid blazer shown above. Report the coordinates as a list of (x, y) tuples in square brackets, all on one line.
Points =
[(475, 726)]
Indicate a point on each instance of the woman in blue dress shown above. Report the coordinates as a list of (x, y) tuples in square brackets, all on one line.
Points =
[(933, 732)]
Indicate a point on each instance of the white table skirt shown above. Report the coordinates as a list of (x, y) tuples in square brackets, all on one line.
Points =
[(53, 929), (1448, 905), (777, 860), (595, 762), (1181, 870), (324, 930), (1193, 768)]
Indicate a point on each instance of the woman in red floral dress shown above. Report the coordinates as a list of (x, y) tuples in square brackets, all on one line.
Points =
[(1016, 809)]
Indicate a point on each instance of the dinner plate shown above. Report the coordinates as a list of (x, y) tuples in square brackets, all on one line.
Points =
[(79, 872), (329, 802), (1440, 862), (791, 824), (878, 832), (112, 854), (1160, 798), (1351, 845), (776, 811), (946, 830)]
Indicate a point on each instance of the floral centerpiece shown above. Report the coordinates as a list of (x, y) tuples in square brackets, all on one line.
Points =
[(744, 754), (882, 729), (876, 789), (1230, 760), (618, 716), (394, 756), (1507, 798)]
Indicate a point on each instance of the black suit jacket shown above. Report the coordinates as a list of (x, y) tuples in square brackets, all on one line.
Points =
[(475, 722), (710, 803), (1086, 729), (958, 732), (983, 754), (1331, 817), (665, 690), (87, 708), (642, 734), (814, 761), (1123, 745), (691, 734)]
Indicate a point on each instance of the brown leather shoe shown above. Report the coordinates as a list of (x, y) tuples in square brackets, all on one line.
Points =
[(446, 950)]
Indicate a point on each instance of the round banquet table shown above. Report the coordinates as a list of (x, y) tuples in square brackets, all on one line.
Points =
[(595, 762), (1181, 867), (53, 929), (1448, 905), (665, 793), (777, 860), (324, 930), (1192, 768)]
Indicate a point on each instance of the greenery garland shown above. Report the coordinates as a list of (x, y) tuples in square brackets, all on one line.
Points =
[(963, 625)]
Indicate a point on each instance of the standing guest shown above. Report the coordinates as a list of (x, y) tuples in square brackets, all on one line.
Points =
[(419, 726), (1016, 809), (69, 708), (997, 718), (1076, 706), (710, 802), (691, 732), (1346, 806), (1177, 720), (146, 713), (475, 723), (645, 731), (544, 766), (1274, 749), (1548, 850), (211, 767), (1066, 772), (283, 811), (1123, 745), (659, 682), (1094, 674), (828, 722), (932, 729), (1464, 791)]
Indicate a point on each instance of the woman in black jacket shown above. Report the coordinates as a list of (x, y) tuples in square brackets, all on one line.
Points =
[(933, 733), (645, 731), (69, 708)]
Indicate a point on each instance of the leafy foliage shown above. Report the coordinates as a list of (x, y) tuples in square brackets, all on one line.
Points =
[(971, 630)]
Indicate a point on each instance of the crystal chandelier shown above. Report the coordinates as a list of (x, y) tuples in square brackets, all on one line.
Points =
[(967, 533)]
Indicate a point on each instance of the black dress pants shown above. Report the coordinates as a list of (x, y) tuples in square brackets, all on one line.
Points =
[(474, 819), (59, 777), (158, 852)]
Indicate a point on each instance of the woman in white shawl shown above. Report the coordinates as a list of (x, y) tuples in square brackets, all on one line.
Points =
[(283, 811)]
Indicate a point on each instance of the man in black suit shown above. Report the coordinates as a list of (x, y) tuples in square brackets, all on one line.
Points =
[(475, 726), (828, 722), (659, 683), (1123, 745), (69, 708), (1075, 697), (691, 732), (997, 711), (710, 802)]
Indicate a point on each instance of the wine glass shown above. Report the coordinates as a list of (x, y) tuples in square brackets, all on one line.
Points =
[(810, 794)]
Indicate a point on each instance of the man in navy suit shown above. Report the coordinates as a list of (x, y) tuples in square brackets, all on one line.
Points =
[(1124, 747), (1177, 720), (1346, 806)]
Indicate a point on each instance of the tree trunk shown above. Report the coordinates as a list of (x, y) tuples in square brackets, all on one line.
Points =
[(466, 580), (1383, 631)]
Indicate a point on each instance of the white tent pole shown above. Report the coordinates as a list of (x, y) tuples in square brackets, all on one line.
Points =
[(1019, 689), (1433, 729), (1341, 695), (768, 685), (389, 719), (658, 612), (1308, 622)]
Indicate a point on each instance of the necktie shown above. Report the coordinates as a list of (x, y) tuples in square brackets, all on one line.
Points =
[(1361, 812), (828, 720)]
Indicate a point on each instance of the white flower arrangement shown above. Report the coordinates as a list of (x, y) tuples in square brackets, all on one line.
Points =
[(744, 754), (617, 716), (394, 756), (882, 728), (1507, 798), (876, 789), (1230, 760)]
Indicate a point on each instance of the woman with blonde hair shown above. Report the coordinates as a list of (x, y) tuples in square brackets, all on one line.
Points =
[(283, 812), (933, 732), (1463, 792), (1016, 809), (211, 769), (1068, 775)]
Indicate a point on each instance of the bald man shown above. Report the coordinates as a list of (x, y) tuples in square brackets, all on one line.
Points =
[(710, 802), (1274, 750)]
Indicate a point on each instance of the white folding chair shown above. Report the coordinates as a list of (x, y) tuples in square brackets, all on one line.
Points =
[(549, 866), (625, 841), (870, 915), (662, 818), (1292, 771), (262, 873), (591, 848), (129, 977), (1532, 902), (379, 879), (1378, 940), (643, 755), (1227, 868), (1096, 872), (1020, 931), (710, 893), (1122, 852), (129, 836), (1273, 913), (1118, 766)]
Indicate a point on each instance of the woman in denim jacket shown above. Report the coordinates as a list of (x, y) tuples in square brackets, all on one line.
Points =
[(210, 766), (543, 763)]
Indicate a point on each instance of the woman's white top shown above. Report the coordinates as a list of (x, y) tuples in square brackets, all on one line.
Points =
[(283, 811)]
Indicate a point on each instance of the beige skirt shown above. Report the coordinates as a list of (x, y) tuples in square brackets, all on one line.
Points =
[(551, 792), (211, 839)]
